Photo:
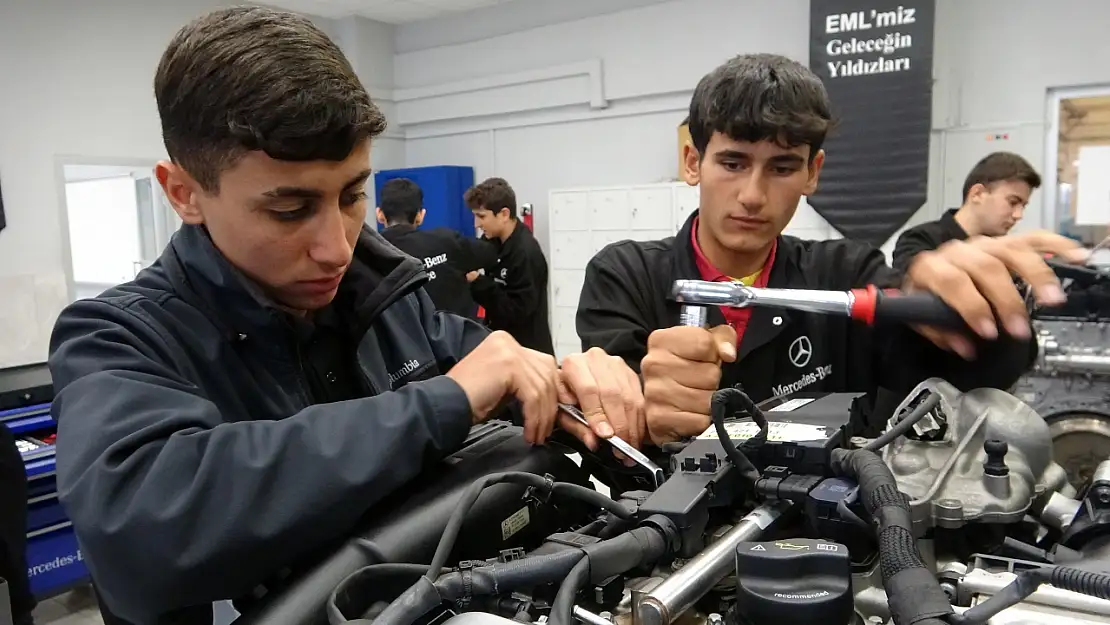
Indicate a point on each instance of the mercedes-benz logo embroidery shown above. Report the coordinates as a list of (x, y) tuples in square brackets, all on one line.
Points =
[(801, 350)]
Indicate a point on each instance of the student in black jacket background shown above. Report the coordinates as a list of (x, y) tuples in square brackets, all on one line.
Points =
[(448, 255), (996, 193), (515, 296)]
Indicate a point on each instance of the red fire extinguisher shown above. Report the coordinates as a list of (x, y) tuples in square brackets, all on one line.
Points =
[(526, 212)]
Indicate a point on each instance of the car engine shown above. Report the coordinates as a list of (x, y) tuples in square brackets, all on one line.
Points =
[(1070, 383), (957, 513)]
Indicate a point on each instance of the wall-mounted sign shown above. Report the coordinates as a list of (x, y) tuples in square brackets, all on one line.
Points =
[(876, 60)]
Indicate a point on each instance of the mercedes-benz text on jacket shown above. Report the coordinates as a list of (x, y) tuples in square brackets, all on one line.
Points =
[(626, 297), (191, 458)]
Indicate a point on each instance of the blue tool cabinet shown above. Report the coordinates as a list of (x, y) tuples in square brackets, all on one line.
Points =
[(443, 187), (54, 560)]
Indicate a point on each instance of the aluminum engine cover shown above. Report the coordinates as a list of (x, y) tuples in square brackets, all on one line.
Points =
[(944, 478)]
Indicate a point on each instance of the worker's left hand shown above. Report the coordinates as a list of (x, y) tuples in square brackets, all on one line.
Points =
[(609, 394), (975, 277)]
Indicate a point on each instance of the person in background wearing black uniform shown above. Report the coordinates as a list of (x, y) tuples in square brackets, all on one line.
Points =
[(757, 124), (447, 254), (279, 370), (996, 193), (515, 297)]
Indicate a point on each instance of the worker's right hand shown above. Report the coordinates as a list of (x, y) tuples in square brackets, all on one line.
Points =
[(500, 368), (681, 371)]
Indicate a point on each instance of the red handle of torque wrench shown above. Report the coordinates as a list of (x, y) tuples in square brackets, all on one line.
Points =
[(872, 305)]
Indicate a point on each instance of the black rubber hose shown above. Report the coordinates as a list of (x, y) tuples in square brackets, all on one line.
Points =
[(507, 577), (349, 600), (905, 423), (913, 592), (1062, 577), (454, 524), (639, 547), (725, 403), (562, 607)]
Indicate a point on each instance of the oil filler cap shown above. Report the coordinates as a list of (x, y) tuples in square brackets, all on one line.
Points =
[(793, 581)]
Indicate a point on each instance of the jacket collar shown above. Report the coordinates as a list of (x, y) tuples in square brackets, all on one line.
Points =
[(952, 228), (766, 322), (379, 275)]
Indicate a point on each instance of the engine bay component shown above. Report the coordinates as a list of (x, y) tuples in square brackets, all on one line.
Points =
[(413, 520), (982, 456), (794, 581), (1068, 386), (690, 583), (1089, 530), (775, 514)]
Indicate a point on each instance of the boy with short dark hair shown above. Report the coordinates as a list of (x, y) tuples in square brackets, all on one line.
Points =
[(757, 124), (515, 296), (278, 371), (995, 194)]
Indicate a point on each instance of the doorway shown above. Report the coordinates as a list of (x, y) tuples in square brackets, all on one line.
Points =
[(1078, 159), (117, 221)]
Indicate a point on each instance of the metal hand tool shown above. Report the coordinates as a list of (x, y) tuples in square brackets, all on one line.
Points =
[(620, 445), (868, 305)]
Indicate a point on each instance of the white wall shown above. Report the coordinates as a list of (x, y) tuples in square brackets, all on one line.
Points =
[(510, 105), (77, 85)]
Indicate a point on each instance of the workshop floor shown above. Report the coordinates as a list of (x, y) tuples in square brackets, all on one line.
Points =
[(76, 607)]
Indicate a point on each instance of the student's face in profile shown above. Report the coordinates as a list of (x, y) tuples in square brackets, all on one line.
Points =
[(1000, 206), (289, 226), (493, 224), (749, 191)]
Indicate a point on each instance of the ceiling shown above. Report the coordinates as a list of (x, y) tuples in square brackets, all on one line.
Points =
[(389, 11)]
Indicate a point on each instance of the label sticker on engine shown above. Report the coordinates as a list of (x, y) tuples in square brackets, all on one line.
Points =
[(792, 404), (777, 431), (516, 522)]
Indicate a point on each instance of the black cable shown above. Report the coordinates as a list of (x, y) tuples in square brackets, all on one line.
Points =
[(562, 607), (1065, 578), (1026, 550), (466, 502), (355, 584), (724, 403), (904, 425)]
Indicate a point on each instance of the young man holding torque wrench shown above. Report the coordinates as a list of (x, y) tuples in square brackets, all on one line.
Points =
[(757, 125)]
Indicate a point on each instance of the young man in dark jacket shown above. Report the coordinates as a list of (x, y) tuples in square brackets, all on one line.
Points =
[(996, 193), (279, 370), (447, 254), (757, 124), (515, 296)]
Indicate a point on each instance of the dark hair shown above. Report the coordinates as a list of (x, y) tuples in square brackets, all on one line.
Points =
[(761, 97), (401, 201), (1000, 167), (492, 194), (251, 78)]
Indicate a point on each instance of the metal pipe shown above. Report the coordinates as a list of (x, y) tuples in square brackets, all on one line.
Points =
[(681, 590), (980, 584), (590, 618), (1079, 363)]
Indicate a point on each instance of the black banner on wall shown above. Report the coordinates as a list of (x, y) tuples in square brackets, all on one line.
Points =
[(876, 60)]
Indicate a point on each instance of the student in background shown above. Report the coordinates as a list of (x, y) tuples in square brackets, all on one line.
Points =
[(447, 254), (996, 192), (515, 296)]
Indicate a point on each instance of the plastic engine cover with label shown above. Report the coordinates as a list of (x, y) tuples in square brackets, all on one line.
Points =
[(406, 527)]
